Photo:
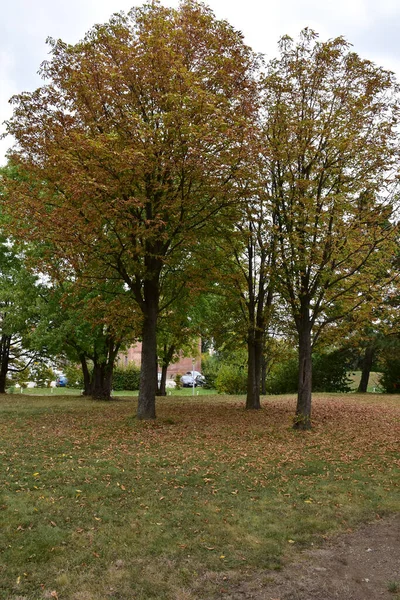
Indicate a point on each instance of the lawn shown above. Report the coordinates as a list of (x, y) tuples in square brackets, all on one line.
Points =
[(373, 383), (97, 505), (64, 391)]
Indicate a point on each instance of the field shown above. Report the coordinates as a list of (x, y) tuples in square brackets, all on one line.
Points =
[(373, 383), (96, 505)]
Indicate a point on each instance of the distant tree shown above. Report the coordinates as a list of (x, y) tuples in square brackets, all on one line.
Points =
[(19, 292), (86, 328), (330, 151), (138, 135)]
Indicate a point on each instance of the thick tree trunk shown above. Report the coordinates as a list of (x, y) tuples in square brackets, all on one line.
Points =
[(302, 419), (366, 369), (4, 361), (254, 361), (101, 381), (148, 374)]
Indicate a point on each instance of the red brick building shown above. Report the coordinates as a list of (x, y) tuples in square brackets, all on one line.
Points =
[(133, 355)]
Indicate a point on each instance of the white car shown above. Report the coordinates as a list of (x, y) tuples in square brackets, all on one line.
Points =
[(192, 379)]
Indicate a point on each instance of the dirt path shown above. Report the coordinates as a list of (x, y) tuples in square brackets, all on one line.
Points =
[(355, 566)]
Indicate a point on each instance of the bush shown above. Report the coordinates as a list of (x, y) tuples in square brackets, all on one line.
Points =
[(231, 379), (330, 371), (42, 374), (210, 366), (329, 374), (126, 378), (390, 380), (74, 376), (283, 378)]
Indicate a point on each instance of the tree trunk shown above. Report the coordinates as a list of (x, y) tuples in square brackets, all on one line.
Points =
[(264, 369), (87, 382), (4, 361), (162, 390), (101, 381), (254, 360), (148, 373), (366, 369), (302, 419), (168, 354)]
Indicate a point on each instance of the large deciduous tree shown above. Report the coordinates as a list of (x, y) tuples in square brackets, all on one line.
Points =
[(330, 150), (131, 149)]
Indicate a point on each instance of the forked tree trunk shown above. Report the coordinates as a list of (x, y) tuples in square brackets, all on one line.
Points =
[(148, 374), (366, 368), (302, 418), (254, 358)]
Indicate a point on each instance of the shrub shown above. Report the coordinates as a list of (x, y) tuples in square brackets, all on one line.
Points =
[(178, 382), (329, 374), (42, 374), (74, 375), (390, 380), (126, 378), (283, 377), (210, 366), (231, 379)]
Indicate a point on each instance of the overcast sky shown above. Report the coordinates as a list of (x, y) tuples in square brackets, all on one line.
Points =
[(372, 26)]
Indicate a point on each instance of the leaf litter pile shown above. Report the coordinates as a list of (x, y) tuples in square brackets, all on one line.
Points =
[(95, 504)]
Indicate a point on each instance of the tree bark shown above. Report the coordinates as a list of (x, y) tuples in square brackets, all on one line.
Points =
[(148, 374), (254, 361), (264, 365), (162, 390), (366, 369), (4, 361), (87, 381), (168, 354), (302, 420), (101, 383)]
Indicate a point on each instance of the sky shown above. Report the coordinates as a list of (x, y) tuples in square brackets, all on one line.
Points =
[(372, 27)]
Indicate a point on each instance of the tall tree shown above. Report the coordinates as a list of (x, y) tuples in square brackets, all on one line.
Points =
[(245, 280), (19, 291), (132, 148), (330, 151)]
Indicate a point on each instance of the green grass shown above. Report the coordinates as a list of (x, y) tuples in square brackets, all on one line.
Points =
[(63, 391), (373, 382), (95, 504)]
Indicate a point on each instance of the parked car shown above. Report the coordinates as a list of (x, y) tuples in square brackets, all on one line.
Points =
[(193, 379), (61, 381)]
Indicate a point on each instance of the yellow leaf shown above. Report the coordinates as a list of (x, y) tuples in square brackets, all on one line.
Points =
[(36, 474), (291, 541), (222, 556), (18, 580)]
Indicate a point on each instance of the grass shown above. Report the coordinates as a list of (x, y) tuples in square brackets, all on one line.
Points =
[(97, 505), (373, 382), (63, 391)]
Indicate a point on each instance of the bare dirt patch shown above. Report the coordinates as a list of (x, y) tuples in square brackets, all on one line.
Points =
[(359, 565)]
